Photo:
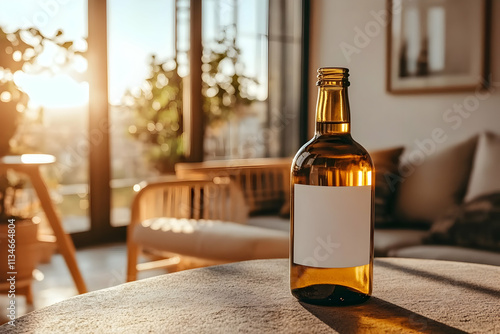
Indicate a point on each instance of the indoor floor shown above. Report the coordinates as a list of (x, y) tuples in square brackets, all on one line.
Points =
[(101, 267)]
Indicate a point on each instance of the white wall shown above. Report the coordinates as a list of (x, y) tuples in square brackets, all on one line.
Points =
[(380, 119)]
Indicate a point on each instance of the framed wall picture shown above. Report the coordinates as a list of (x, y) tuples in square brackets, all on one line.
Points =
[(437, 45)]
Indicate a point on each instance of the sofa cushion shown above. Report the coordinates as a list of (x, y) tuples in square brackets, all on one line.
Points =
[(430, 187), (448, 253), (386, 166), (386, 240), (212, 239), (274, 222), (473, 224), (484, 176)]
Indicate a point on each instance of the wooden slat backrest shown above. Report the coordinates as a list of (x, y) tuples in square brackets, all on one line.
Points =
[(265, 182), (208, 199)]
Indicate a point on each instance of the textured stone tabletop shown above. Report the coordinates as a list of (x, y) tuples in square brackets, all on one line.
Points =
[(410, 296)]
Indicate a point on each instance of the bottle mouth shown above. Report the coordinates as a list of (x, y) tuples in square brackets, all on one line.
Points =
[(333, 76)]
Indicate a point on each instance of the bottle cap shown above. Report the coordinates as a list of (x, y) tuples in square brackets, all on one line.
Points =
[(333, 76)]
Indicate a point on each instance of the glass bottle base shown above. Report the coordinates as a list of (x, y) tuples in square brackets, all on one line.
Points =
[(329, 295)]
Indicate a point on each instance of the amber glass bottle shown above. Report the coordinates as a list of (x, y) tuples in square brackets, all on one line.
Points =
[(331, 244)]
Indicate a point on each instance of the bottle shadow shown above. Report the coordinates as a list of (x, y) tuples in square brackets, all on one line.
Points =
[(377, 316)]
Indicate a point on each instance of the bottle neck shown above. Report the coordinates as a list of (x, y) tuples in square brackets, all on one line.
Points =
[(332, 110)]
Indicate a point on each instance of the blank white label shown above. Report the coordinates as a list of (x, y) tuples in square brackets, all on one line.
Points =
[(331, 226)]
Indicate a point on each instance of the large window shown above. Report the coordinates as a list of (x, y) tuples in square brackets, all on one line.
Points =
[(242, 25), (244, 116), (55, 119), (124, 111), (137, 32)]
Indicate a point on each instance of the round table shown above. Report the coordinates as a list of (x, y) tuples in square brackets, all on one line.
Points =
[(410, 296)]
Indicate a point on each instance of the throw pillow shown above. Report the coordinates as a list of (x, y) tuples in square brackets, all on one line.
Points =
[(386, 164), (430, 187), (472, 224), (485, 178)]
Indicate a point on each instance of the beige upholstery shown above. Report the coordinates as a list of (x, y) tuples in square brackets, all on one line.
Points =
[(386, 240), (194, 199), (484, 178), (270, 221), (429, 188), (212, 239), (448, 253), (204, 219)]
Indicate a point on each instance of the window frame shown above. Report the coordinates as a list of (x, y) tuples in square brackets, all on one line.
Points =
[(101, 230)]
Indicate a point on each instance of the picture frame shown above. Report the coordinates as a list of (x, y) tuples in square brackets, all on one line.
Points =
[(437, 45)]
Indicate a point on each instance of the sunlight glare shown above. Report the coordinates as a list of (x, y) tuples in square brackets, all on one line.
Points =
[(38, 275), (80, 64), (360, 178), (5, 96), (59, 91), (17, 55), (37, 158)]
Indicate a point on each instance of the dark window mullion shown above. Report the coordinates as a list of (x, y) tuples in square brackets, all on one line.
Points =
[(195, 124), (304, 74), (99, 155)]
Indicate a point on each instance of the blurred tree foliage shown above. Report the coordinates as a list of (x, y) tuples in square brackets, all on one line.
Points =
[(158, 106), (225, 87), (157, 110), (21, 50)]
